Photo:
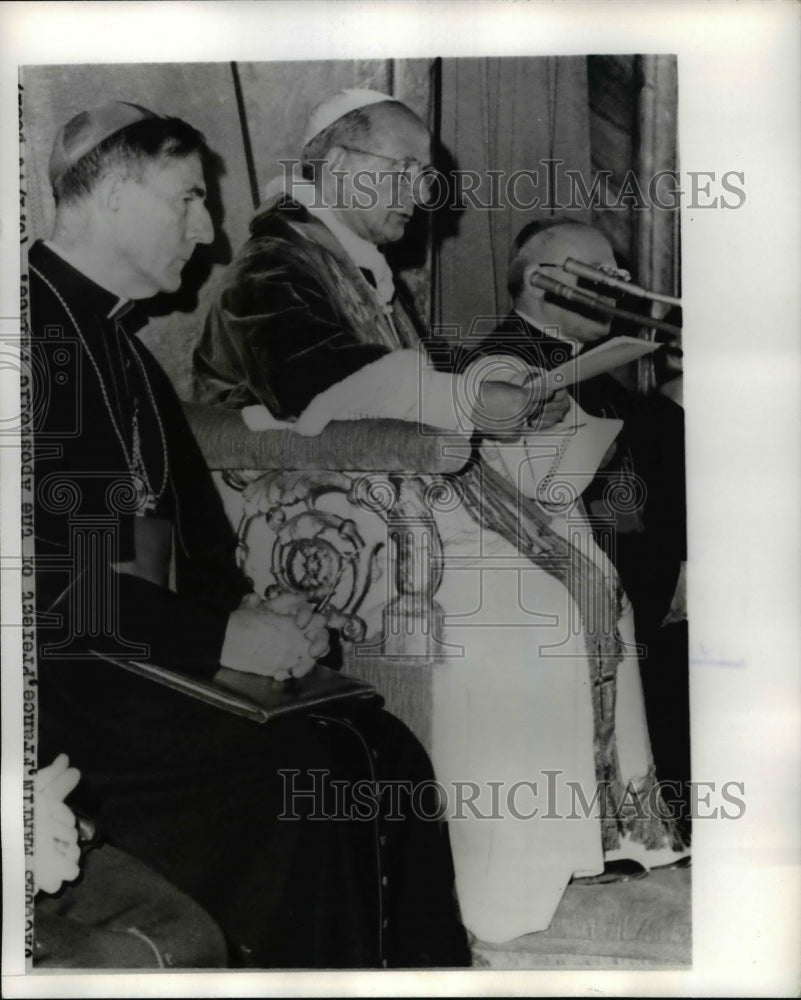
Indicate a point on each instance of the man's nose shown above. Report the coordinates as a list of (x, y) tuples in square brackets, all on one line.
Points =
[(420, 186), (201, 228), (405, 197)]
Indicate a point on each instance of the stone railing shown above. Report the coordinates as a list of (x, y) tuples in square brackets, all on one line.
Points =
[(346, 519)]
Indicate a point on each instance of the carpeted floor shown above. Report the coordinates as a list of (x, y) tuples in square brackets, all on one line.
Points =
[(641, 924)]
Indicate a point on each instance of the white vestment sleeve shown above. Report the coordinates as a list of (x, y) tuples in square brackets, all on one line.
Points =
[(401, 386), (259, 418)]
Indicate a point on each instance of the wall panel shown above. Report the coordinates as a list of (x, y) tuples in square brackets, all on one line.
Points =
[(505, 115), (279, 96)]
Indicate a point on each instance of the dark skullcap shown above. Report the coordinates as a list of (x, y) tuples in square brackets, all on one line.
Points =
[(88, 129)]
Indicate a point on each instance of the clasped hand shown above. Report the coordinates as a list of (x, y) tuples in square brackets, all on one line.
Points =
[(55, 835), (279, 638)]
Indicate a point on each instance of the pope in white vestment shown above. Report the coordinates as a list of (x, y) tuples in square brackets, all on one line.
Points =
[(543, 686)]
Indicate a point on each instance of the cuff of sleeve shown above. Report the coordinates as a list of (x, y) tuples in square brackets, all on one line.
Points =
[(444, 402), (400, 386), (259, 418)]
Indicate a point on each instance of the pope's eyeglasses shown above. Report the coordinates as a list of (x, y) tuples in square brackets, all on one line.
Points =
[(409, 169)]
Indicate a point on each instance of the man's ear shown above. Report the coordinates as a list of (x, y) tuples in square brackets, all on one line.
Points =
[(335, 156), (108, 192)]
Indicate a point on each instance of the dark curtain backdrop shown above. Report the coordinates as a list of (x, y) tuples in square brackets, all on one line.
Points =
[(500, 114)]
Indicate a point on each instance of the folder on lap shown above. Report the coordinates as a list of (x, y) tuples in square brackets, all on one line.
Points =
[(253, 696)]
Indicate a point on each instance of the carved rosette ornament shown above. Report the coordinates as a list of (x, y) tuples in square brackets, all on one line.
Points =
[(324, 556)]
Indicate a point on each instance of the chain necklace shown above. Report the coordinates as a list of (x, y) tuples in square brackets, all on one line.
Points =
[(133, 458)]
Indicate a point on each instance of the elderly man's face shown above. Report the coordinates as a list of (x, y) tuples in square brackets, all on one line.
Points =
[(553, 247), (380, 185), (157, 222)]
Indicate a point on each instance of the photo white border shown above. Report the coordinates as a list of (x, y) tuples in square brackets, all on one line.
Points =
[(739, 99)]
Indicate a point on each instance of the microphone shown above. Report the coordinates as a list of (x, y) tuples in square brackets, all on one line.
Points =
[(601, 277), (591, 300)]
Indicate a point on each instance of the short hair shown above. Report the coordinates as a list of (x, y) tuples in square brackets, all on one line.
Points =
[(353, 127), (132, 148), (520, 258)]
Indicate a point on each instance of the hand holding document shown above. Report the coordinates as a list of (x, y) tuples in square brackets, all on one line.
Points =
[(556, 465), (606, 357)]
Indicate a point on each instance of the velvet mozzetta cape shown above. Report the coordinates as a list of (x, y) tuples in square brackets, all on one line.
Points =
[(295, 315)]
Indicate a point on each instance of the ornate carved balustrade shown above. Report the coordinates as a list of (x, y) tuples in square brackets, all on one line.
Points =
[(360, 544)]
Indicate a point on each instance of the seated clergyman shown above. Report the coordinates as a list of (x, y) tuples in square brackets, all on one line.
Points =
[(195, 793), (310, 326), (648, 544), (637, 501)]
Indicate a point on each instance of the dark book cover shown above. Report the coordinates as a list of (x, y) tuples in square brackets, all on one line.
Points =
[(253, 696)]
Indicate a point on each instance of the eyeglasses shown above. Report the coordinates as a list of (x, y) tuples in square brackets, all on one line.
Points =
[(408, 168)]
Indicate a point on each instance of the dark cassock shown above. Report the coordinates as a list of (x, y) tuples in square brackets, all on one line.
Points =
[(193, 791)]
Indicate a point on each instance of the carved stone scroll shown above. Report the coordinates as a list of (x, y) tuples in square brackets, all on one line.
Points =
[(312, 550)]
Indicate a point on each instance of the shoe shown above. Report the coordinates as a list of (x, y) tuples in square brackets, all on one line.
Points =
[(685, 861), (658, 857), (624, 870)]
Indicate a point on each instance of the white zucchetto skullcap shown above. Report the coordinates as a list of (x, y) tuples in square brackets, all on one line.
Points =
[(333, 108)]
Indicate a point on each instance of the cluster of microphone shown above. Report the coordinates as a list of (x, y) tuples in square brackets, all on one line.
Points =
[(611, 280)]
